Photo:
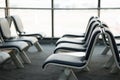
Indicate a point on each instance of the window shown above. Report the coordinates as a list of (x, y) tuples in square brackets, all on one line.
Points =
[(110, 3), (2, 7), (2, 3), (75, 3), (71, 21), (71, 16), (34, 14), (30, 3)]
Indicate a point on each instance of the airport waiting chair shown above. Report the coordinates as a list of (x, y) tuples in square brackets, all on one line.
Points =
[(77, 47), (82, 34), (10, 54), (4, 57), (107, 47), (6, 34), (114, 60), (78, 40), (20, 29), (73, 60), (20, 49)]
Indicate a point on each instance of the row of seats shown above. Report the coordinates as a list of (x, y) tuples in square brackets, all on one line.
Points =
[(68, 43), (21, 43), (75, 51)]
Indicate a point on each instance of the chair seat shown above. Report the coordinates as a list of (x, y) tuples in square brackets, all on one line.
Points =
[(3, 57), (117, 41), (39, 36), (71, 40), (66, 59), (74, 35), (28, 34), (18, 44), (70, 47), (31, 40)]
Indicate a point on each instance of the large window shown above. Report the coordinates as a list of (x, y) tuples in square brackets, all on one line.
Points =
[(37, 16), (58, 17), (71, 21)]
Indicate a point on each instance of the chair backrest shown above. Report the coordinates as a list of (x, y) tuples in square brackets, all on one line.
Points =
[(18, 24), (9, 19), (104, 36), (90, 27), (89, 21), (93, 26), (92, 41), (112, 44), (4, 28), (77, 62)]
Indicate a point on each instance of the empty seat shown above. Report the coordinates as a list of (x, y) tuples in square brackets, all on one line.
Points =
[(7, 54), (6, 35), (78, 40), (3, 57), (20, 29), (117, 37), (73, 60), (114, 49), (76, 47), (19, 47), (82, 34)]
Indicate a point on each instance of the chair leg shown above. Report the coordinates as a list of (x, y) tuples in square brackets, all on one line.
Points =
[(24, 57), (115, 69), (16, 60), (86, 69), (68, 74), (105, 50), (38, 46), (109, 63), (72, 76)]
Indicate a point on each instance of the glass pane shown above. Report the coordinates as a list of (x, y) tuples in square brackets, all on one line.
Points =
[(31, 3), (2, 3), (112, 18), (75, 3), (72, 21), (110, 3), (35, 20), (2, 13)]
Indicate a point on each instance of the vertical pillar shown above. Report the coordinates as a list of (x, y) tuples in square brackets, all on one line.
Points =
[(99, 6), (6, 8), (52, 17)]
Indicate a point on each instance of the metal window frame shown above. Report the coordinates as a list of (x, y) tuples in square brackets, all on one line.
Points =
[(7, 8)]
